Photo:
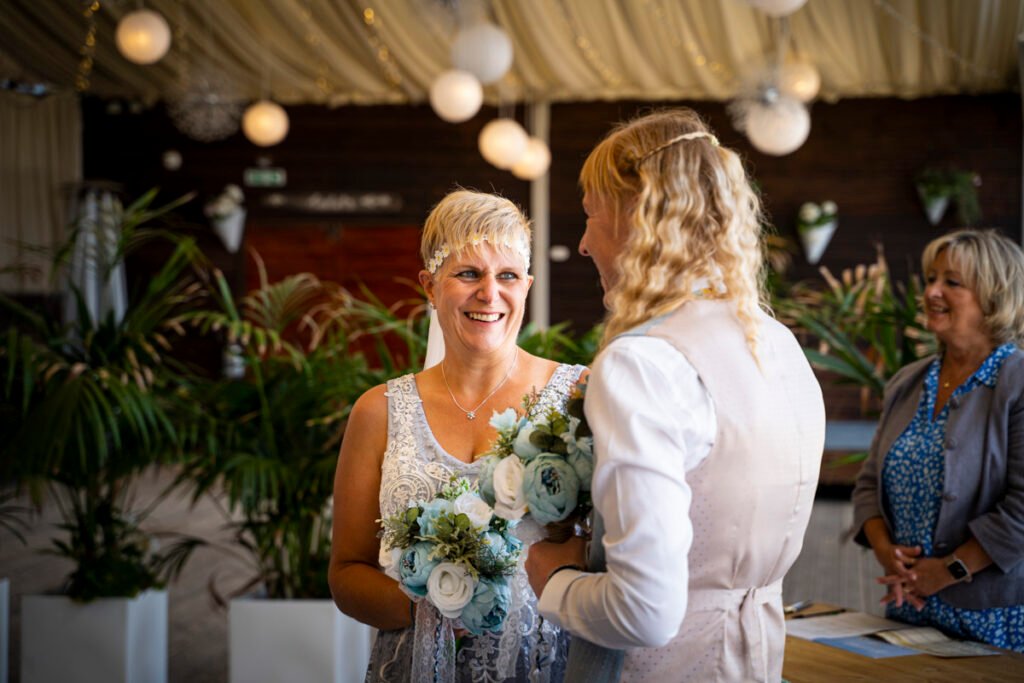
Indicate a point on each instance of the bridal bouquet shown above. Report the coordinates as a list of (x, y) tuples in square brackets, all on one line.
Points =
[(457, 553), (540, 466)]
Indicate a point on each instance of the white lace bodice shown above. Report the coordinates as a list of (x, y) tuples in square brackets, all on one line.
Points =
[(415, 467)]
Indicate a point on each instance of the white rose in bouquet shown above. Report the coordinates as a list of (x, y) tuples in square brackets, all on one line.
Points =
[(471, 505), (509, 497), (450, 588), (829, 208)]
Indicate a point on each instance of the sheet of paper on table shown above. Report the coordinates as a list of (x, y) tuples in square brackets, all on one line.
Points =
[(934, 642), (842, 625)]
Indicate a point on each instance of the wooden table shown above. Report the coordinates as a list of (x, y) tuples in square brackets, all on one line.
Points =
[(810, 662)]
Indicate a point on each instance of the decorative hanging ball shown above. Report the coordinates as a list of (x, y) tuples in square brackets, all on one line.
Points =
[(502, 142), (484, 50), (779, 127), (143, 36), (800, 80), (456, 96), (265, 123), (778, 8), (534, 162)]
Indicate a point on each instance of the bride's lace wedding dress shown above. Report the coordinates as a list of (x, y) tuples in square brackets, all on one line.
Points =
[(415, 467)]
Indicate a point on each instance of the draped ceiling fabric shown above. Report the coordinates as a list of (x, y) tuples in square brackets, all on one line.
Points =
[(388, 51)]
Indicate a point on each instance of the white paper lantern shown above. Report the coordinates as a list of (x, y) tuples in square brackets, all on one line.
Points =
[(143, 36), (265, 123), (534, 161), (800, 80), (778, 8), (502, 142), (484, 50), (778, 128), (456, 96)]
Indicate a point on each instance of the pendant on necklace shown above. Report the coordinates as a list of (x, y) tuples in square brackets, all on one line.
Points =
[(471, 415)]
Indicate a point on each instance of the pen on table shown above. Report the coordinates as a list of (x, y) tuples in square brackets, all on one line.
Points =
[(819, 614), (797, 606)]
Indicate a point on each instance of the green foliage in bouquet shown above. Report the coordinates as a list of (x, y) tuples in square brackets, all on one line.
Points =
[(85, 408)]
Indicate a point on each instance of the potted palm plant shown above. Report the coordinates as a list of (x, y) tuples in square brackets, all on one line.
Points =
[(84, 409), (270, 446), (862, 327)]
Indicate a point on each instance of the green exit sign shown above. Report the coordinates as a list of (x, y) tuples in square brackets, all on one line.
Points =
[(265, 177)]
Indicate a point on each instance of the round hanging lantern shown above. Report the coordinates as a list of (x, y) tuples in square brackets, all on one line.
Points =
[(502, 142), (143, 36), (265, 123), (778, 127), (484, 50), (456, 96), (534, 162), (800, 80), (778, 8)]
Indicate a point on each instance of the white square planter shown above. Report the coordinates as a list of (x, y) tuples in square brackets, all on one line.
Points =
[(299, 641), (115, 640)]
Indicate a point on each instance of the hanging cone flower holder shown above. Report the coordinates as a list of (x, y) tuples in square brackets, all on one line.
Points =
[(229, 229), (815, 239), (934, 206)]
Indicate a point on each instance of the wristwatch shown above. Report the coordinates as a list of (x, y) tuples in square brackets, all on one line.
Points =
[(958, 570)]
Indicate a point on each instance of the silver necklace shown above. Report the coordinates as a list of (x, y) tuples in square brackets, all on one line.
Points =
[(471, 414)]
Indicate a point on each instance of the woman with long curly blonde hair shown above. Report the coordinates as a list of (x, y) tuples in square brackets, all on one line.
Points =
[(708, 424), (692, 216)]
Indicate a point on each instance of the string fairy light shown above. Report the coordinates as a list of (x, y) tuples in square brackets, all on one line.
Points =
[(387, 61), (698, 57), (933, 42), (589, 51), (315, 38), (88, 49)]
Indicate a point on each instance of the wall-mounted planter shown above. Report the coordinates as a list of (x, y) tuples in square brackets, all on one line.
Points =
[(816, 239)]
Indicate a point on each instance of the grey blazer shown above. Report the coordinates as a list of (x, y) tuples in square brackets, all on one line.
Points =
[(984, 478)]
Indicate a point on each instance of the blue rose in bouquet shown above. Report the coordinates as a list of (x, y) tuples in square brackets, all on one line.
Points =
[(415, 565), (485, 478), (541, 465), (487, 609), (552, 488), (431, 512)]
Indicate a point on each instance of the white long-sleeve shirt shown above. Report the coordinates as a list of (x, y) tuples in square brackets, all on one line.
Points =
[(653, 421)]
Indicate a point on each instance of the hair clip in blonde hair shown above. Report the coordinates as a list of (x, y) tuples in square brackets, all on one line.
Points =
[(444, 251), (695, 135)]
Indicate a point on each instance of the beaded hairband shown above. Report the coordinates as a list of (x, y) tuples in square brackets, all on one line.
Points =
[(518, 246), (679, 138)]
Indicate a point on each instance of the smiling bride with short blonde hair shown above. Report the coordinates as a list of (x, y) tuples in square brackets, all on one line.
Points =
[(406, 438)]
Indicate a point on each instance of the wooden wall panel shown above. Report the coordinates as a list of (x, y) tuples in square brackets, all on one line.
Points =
[(863, 154)]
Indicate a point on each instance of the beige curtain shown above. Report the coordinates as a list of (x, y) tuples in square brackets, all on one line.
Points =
[(40, 159), (377, 51)]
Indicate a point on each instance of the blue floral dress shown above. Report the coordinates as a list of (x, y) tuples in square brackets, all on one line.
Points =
[(912, 478)]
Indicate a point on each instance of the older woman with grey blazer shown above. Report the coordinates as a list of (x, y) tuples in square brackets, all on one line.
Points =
[(940, 499)]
